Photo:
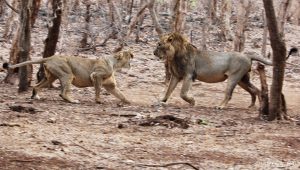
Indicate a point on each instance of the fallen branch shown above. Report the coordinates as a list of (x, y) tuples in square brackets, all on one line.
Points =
[(10, 125), (171, 164)]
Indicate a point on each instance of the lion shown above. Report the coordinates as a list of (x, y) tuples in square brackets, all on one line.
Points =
[(81, 72), (187, 63)]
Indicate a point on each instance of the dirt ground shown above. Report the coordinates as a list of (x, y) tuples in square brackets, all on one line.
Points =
[(52, 134)]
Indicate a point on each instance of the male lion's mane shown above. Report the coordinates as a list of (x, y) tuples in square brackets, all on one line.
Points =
[(183, 60)]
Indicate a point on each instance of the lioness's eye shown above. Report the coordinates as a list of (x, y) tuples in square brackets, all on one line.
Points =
[(159, 44)]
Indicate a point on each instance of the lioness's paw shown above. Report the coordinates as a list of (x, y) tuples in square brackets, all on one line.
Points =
[(219, 107), (126, 101), (75, 101), (37, 97)]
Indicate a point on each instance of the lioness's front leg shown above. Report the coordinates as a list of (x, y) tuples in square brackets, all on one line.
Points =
[(97, 82), (173, 83), (186, 85), (111, 86)]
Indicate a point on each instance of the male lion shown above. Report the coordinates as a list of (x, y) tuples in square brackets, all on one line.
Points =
[(81, 72), (187, 63)]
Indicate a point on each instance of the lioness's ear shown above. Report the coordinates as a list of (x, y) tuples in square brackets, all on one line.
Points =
[(119, 55)]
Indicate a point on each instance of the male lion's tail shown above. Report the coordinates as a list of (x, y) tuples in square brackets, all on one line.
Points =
[(260, 59), (269, 62), (8, 66)]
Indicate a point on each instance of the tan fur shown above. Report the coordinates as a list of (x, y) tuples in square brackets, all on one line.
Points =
[(187, 63), (81, 72)]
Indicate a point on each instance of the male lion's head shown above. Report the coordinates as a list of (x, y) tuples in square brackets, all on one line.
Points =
[(170, 44), (123, 59)]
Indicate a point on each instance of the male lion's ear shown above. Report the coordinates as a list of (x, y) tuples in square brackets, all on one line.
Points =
[(170, 38)]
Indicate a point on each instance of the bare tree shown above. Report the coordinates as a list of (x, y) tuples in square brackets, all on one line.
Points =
[(277, 103), (178, 15), (149, 5), (53, 35), (35, 6), (242, 17), (2, 9), (86, 32), (226, 33), (282, 15), (11, 22), (24, 42)]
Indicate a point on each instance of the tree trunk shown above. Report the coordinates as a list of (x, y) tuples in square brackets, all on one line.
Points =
[(2, 9), (264, 104), (178, 17), (24, 42), (226, 33), (53, 35), (36, 6), (116, 25), (242, 17), (282, 14), (11, 21), (83, 42), (212, 11), (155, 22), (279, 54), (150, 6)]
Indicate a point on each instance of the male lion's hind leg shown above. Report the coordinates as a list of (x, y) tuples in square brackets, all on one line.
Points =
[(231, 83), (250, 88)]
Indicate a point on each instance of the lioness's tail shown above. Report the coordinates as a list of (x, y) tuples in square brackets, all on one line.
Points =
[(8, 66)]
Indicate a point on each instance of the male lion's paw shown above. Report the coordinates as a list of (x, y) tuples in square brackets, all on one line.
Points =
[(192, 102)]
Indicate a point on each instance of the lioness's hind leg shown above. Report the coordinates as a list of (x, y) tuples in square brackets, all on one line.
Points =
[(45, 82), (66, 82)]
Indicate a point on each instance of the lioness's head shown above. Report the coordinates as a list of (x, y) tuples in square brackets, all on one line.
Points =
[(169, 44), (123, 59)]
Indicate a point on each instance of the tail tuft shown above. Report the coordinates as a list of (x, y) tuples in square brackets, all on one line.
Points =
[(5, 65), (292, 51)]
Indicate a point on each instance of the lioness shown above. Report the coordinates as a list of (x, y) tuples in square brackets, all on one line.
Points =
[(187, 63), (81, 72)]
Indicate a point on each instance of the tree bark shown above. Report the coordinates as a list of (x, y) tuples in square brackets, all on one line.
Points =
[(36, 6), (242, 17), (279, 54), (2, 9), (24, 42), (83, 42), (226, 33), (134, 22), (53, 35), (282, 15)]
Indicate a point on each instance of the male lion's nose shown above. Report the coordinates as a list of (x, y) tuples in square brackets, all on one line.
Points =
[(155, 52)]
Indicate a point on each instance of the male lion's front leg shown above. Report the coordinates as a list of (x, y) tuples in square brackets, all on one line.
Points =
[(186, 85), (173, 83)]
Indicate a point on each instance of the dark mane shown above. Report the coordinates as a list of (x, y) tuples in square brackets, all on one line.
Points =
[(183, 60)]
